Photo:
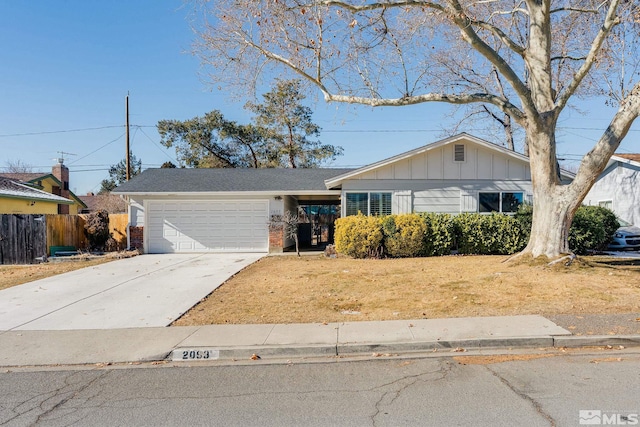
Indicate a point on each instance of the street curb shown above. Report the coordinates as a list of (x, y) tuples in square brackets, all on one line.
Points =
[(359, 349), (452, 345), (240, 353), (597, 341)]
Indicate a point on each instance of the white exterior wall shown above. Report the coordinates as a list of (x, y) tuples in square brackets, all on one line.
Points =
[(619, 183), (436, 196), (433, 182), (480, 164), (136, 214)]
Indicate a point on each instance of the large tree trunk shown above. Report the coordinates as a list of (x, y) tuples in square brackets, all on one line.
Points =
[(554, 204), (553, 212)]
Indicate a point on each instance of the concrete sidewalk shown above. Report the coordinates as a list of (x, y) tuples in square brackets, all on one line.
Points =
[(240, 342), (143, 291)]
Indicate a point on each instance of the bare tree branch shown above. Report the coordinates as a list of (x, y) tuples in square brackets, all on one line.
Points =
[(610, 21)]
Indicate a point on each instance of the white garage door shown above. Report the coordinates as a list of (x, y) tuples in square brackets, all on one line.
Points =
[(208, 226)]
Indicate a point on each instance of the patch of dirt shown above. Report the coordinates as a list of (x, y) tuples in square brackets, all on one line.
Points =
[(289, 289), (13, 275)]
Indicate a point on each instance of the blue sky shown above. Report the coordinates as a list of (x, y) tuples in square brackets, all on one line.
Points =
[(66, 67)]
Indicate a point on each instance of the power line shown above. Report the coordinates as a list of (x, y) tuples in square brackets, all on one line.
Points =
[(96, 150), (87, 170), (157, 146), (324, 130), (59, 131)]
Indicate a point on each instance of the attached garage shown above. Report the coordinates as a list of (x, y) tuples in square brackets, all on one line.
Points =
[(180, 226), (173, 210)]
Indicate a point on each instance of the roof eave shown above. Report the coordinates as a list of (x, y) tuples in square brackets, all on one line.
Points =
[(336, 181), (39, 199), (625, 160), (232, 193)]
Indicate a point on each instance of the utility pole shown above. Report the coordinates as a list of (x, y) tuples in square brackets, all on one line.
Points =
[(128, 156)]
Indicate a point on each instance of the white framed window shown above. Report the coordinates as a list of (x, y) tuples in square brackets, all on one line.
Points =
[(499, 201), (369, 203), (606, 204)]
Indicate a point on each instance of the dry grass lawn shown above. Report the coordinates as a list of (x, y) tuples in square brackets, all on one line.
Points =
[(13, 275), (287, 289)]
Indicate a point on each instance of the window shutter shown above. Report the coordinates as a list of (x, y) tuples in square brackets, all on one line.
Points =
[(468, 201), (529, 198), (401, 202)]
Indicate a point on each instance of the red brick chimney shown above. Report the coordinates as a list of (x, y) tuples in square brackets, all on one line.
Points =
[(61, 172)]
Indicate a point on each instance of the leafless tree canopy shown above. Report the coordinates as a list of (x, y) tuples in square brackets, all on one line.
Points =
[(17, 166), (404, 52), (526, 59)]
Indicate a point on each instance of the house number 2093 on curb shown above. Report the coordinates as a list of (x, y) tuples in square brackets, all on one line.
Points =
[(195, 354)]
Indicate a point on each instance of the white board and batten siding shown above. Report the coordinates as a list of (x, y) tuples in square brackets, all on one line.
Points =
[(401, 202), (432, 181), (184, 226)]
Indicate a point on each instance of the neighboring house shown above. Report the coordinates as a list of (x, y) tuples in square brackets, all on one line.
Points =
[(199, 210), (108, 202), (19, 198), (56, 183), (618, 188)]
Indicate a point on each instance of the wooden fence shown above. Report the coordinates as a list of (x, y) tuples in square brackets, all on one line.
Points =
[(26, 237), (118, 229), (22, 238), (66, 230)]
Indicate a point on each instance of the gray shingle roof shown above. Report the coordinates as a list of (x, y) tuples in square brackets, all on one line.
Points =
[(15, 189), (23, 176), (204, 180)]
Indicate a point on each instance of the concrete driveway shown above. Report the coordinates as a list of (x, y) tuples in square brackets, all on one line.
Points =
[(143, 291)]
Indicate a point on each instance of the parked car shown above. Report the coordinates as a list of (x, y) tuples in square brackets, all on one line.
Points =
[(625, 237)]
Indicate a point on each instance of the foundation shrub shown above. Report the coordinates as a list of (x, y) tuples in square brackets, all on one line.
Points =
[(359, 236), (591, 229), (494, 234), (404, 235), (439, 234)]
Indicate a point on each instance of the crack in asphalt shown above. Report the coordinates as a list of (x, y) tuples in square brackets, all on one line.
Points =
[(537, 405), (389, 397), (71, 396), (65, 393)]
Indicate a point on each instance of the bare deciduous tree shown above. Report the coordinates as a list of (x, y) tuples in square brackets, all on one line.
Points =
[(289, 223), (402, 52), (18, 166)]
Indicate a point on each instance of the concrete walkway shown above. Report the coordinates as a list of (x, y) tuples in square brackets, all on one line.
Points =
[(240, 342), (194, 344), (143, 291)]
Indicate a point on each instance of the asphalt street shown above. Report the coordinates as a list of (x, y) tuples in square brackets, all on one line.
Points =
[(460, 390)]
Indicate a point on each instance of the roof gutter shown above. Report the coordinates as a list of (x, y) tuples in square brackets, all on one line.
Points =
[(233, 193), (61, 201)]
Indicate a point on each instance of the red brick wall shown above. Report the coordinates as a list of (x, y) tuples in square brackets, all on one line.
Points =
[(276, 238), (136, 239)]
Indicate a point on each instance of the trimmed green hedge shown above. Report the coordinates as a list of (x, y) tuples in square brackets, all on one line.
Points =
[(404, 235), (427, 234), (440, 235), (592, 229), (432, 234), (494, 234), (359, 236)]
